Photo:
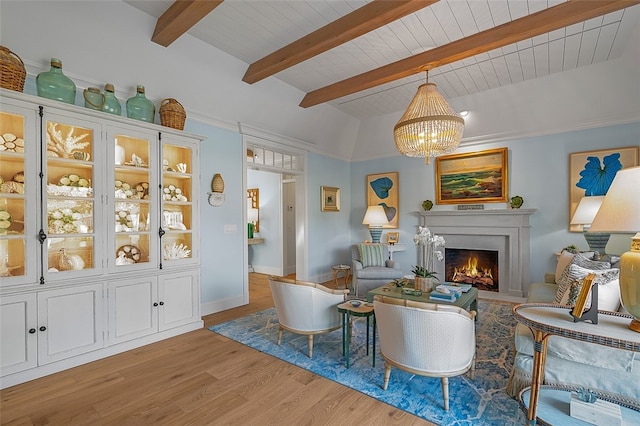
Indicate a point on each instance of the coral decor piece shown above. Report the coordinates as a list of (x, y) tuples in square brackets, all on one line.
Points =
[(176, 251), (63, 146)]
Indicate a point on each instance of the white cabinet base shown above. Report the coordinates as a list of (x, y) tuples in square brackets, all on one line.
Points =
[(45, 370)]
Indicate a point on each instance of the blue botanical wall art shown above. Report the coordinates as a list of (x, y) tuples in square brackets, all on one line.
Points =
[(382, 190), (592, 172), (596, 177)]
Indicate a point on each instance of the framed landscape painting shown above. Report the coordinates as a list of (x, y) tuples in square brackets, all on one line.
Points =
[(382, 190), (591, 174), (473, 177)]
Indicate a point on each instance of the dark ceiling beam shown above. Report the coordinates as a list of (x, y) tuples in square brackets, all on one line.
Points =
[(179, 18), (542, 22), (361, 21)]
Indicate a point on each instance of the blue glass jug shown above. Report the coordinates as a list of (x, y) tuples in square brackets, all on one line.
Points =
[(111, 103), (139, 107), (53, 84)]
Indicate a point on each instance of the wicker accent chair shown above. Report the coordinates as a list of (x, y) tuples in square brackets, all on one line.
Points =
[(426, 339), (305, 308)]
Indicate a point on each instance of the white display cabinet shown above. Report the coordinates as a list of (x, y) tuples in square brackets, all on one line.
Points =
[(99, 242)]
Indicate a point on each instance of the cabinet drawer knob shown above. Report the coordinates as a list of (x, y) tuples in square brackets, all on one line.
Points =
[(155, 304), (161, 303), (32, 330), (43, 328)]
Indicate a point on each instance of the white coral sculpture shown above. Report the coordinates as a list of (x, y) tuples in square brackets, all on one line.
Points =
[(175, 251), (59, 146)]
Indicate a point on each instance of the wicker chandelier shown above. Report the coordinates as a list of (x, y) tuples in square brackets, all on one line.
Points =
[(429, 127)]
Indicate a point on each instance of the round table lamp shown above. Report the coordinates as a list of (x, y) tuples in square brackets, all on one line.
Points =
[(375, 217)]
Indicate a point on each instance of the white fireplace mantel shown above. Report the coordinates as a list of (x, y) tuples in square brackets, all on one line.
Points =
[(504, 230)]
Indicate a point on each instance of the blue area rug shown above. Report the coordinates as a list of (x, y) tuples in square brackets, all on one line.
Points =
[(479, 401)]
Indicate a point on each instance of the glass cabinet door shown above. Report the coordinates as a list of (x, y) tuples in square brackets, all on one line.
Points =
[(71, 216), (177, 202), (132, 224), (18, 151)]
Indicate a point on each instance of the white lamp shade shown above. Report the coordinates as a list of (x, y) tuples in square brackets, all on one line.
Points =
[(587, 210), (620, 209), (375, 216)]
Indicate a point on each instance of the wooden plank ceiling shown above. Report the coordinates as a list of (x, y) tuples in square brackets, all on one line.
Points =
[(366, 57)]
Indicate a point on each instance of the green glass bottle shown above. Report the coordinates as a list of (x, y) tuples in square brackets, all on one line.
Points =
[(139, 107), (111, 104), (53, 84)]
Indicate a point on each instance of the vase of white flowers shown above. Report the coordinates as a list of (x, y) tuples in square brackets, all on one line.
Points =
[(424, 279), (430, 253)]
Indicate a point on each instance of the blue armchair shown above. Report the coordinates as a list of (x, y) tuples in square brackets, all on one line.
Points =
[(370, 269)]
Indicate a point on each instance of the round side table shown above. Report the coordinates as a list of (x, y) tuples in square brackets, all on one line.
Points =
[(345, 270)]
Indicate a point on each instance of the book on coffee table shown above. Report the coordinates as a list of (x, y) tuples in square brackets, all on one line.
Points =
[(451, 297)]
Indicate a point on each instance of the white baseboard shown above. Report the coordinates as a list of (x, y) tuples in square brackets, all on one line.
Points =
[(221, 305)]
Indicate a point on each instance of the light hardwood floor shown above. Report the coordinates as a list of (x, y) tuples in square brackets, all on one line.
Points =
[(198, 378)]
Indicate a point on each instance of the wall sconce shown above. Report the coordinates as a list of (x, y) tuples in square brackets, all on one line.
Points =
[(216, 196)]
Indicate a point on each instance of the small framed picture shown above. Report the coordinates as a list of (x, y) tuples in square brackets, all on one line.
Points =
[(392, 237), (330, 199)]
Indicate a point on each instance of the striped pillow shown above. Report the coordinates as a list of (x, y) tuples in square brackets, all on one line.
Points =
[(371, 255)]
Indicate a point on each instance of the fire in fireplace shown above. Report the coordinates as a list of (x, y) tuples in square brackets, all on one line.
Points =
[(476, 267)]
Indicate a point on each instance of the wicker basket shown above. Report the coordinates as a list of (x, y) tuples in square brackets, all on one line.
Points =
[(217, 183), (13, 70), (172, 114)]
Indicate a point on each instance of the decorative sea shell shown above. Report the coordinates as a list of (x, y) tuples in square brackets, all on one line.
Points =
[(77, 262), (73, 179), (11, 143), (5, 220), (12, 187), (80, 155)]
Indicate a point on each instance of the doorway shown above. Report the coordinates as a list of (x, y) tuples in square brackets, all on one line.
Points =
[(275, 254)]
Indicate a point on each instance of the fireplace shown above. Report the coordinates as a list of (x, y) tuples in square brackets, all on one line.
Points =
[(476, 267), (502, 231)]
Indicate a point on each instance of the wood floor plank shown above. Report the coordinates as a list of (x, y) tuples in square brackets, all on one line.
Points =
[(198, 378)]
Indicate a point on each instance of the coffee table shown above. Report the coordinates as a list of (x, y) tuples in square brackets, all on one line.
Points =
[(468, 300)]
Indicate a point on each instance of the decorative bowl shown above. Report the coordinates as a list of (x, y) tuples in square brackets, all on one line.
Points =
[(355, 303)]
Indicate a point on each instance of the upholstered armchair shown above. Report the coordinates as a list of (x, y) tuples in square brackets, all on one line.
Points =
[(370, 268), (426, 339), (305, 308)]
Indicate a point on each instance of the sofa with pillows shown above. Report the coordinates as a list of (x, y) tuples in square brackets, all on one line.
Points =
[(569, 361)]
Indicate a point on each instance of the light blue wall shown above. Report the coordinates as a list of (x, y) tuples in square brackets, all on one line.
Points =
[(329, 232), (222, 269)]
